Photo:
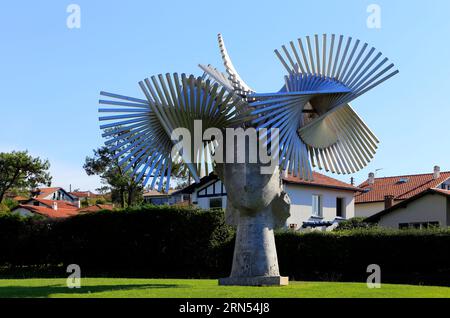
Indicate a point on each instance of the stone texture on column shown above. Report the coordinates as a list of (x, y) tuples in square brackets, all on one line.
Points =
[(256, 206), (255, 259)]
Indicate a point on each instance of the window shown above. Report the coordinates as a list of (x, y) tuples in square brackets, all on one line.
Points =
[(159, 201), (403, 226), (340, 207), (419, 225), (215, 203), (317, 205)]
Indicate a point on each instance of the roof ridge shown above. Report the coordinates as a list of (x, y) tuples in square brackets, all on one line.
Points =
[(410, 175), (327, 182), (419, 186)]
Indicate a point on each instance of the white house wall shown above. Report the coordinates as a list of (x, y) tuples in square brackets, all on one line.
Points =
[(203, 203), (368, 209), (429, 208), (62, 196), (301, 203), (209, 190)]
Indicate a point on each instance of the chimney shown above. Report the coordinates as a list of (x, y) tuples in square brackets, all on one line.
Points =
[(352, 181), (436, 172), (55, 206), (388, 201), (371, 179), (78, 202)]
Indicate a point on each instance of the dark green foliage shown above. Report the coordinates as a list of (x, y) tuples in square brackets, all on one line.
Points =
[(10, 203), (124, 187), (404, 256), (20, 170), (353, 223), (147, 241), (182, 243)]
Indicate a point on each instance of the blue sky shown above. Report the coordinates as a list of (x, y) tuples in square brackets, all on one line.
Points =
[(50, 75)]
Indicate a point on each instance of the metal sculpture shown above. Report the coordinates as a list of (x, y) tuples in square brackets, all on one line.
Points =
[(314, 127)]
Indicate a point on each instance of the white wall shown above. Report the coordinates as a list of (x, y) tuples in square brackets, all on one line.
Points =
[(368, 209), (211, 187), (60, 195), (203, 203), (429, 208), (301, 200)]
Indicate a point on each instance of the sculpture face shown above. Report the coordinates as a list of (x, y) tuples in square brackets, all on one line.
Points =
[(248, 190)]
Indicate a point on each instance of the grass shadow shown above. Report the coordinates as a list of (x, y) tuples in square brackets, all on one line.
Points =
[(46, 291)]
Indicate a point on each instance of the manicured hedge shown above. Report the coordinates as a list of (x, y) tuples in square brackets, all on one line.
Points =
[(413, 257), (151, 241), (171, 242)]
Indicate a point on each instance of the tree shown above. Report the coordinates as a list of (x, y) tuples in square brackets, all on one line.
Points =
[(124, 188), (181, 175), (103, 190), (20, 170)]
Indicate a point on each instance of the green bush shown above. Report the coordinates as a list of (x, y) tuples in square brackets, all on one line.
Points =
[(353, 223), (166, 241), (412, 256), (10, 203), (3, 209), (100, 201)]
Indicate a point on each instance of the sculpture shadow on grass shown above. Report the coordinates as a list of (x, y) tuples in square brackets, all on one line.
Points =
[(45, 291)]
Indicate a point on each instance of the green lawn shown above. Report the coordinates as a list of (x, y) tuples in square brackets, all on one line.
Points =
[(174, 288)]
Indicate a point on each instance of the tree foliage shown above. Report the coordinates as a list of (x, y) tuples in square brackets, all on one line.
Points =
[(21, 171), (123, 186)]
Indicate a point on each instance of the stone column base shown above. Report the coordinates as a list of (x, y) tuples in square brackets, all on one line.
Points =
[(254, 281)]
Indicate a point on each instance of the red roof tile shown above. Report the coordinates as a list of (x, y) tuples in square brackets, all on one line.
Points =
[(20, 198), (84, 194), (49, 212), (44, 192), (321, 181), (65, 209), (414, 185), (61, 204)]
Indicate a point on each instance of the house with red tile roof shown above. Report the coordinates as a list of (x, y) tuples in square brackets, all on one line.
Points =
[(55, 203), (158, 198), (429, 208), (56, 194), (55, 209), (320, 204), (46, 208), (83, 195), (379, 194)]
